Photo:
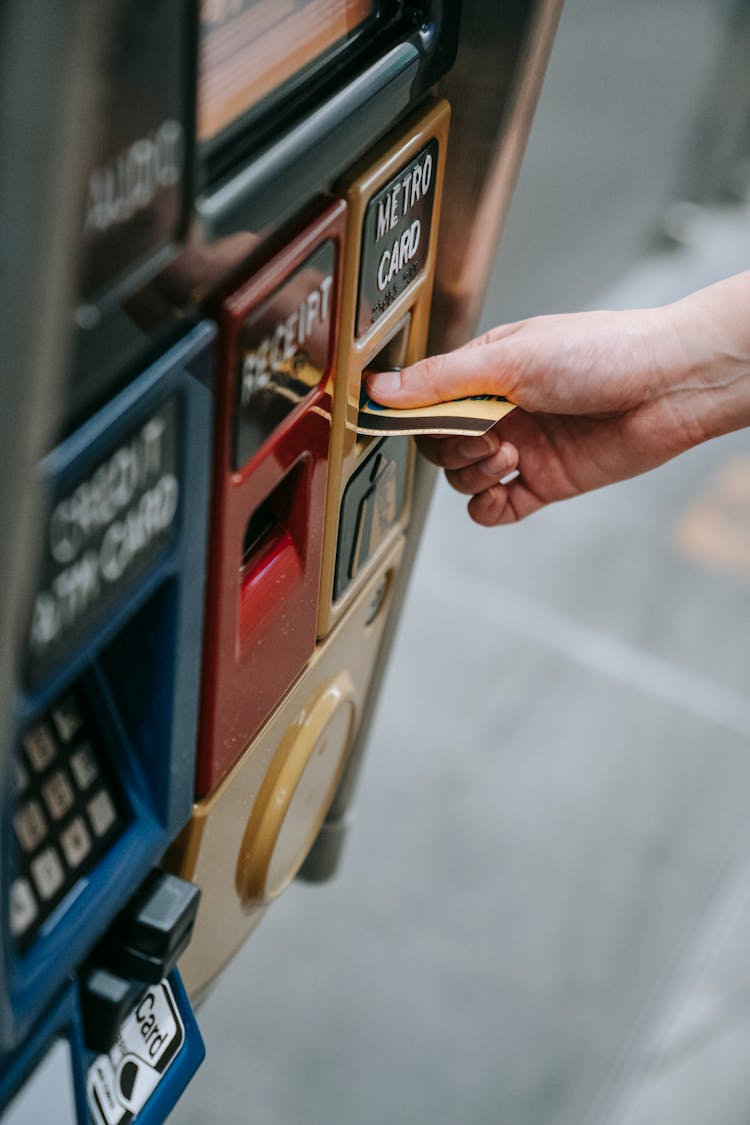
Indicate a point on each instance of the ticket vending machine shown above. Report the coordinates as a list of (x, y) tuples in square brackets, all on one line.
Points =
[(216, 558)]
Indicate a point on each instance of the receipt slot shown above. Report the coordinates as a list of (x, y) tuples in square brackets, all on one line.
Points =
[(271, 463), (393, 209), (106, 728), (247, 841)]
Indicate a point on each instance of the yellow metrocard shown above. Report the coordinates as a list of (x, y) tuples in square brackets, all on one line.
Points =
[(473, 415)]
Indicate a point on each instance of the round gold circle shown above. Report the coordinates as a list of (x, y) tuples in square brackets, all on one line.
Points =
[(296, 793)]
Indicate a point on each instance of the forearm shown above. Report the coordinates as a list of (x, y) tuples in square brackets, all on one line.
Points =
[(711, 382)]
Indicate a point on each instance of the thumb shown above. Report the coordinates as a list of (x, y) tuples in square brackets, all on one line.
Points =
[(439, 378)]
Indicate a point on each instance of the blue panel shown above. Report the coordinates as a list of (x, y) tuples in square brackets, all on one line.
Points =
[(172, 1074), (192, 1054), (116, 627), (53, 1076), (35, 1084)]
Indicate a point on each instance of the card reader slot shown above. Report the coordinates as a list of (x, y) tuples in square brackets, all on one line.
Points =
[(394, 353), (391, 357)]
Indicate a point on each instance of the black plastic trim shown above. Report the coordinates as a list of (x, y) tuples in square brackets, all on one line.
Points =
[(288, 172)]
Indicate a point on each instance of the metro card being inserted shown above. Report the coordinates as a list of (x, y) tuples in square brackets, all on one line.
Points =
[(473, 415)]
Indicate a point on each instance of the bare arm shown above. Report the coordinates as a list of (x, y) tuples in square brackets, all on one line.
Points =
[(602, 395)]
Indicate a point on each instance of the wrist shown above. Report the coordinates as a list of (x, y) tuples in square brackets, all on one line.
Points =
[(709, 378)]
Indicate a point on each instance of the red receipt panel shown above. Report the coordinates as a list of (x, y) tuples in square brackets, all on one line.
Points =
[(278, 333)]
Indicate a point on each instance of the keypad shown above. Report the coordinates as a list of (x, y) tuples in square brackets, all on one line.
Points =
[(68, 811)]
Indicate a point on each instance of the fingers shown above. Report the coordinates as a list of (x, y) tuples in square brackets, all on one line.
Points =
[(493, 507), (438, 378), (481, 475), (590, 363), (457, 452)]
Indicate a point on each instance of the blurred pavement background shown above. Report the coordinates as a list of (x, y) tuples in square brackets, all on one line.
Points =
[(543, 917)]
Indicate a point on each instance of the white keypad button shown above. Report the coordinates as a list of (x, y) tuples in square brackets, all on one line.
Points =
[(30, 825), (58, 795), (40, 746), (102, 812), (47, 873), (67, 719), (21, 775), (23, 908), (76, 842), (84, 767)]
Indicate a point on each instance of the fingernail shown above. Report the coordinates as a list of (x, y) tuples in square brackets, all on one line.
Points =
[(384, 382), (475, 447)]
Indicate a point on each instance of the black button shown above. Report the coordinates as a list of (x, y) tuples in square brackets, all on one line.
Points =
[(106, 1002), (147, 938)]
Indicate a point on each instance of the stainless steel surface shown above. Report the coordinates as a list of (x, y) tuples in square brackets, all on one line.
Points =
[(493, 90), (45, 53)]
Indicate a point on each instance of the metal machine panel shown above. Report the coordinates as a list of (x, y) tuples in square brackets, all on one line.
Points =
[(139, 190), (247, 840), (136, 202), (106, 729), (278, 333), (393, 206)]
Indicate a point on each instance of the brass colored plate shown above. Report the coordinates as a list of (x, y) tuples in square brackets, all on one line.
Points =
[(393, 211), (296, 793), (246, 840)]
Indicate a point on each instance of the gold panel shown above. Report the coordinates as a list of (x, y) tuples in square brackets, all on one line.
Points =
[(398, 334), (246, 841)]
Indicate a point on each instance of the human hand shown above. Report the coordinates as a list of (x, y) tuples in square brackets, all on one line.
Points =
[(602, 396)]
